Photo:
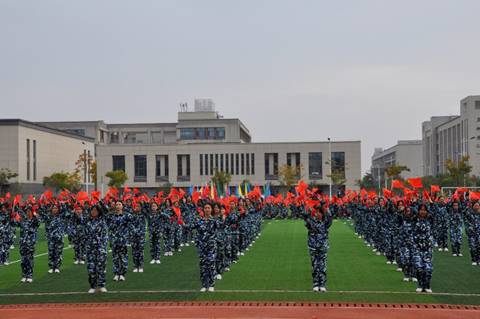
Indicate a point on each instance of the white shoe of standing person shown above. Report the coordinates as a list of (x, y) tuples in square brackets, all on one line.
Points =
[(50, 271), (91, 291), (103, 289), (323, 289), (140, 270), (211, 289), (121, 278), (115, 278), (57, 271), (158, 262), (316, 289), (152, 261), (23, 280), (203, 289)]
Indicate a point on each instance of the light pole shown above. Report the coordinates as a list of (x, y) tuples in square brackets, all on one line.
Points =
[(330, 166), (85, 169)]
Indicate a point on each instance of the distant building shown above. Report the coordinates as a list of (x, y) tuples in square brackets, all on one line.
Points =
[(408, 153), (452, 137), (189, 152), (34, 151)]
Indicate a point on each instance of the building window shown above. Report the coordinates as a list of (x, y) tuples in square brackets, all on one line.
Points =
[(211, 164), (201, 164), (136, 138), (114, 138), (237, 164), (183, 167), (227, 169), (206, 164), (118, 163), (161, 168), (252, 157), (293, 160), (28, 159), (477, 105), (34, 160), (216, 162), (140, 168), (248, 163), (271, 166), (338, 163), (242, 156), (232, 168), (221, 162), (202, 133), (315, 165)]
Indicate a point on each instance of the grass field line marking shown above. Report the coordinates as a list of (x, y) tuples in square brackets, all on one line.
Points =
[(235, 291), (39, 255)]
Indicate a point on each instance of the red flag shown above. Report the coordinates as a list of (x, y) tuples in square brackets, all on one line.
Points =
[(363, 193), (195, 196), (178, 213), (462, 190), (397, 184), (7, 196), (387, 193), (82, 196), (426, 195), (415, 182), (434, 189), (17, 199), (136, 191), (474, 195), (126, 189)]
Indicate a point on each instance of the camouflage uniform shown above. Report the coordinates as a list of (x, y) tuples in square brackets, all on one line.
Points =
[(118, 225), (423, 251), (78, 236), (440, 225), (137, 237), (96, 231), (5, 230), (406, 237), (55, 230), (155, 226), (232, 236), (206, 247), (28, 239), (318, 246), (472, 227), (456, 236)]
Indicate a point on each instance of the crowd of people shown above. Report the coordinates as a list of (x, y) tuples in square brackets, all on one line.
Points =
[(404, 228)]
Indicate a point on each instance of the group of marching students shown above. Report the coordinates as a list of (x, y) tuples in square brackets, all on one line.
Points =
[(405, 229), (222, 229)]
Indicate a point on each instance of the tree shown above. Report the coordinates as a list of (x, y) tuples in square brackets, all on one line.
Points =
[(5, 175), (289, 175), (338, 177), (117, 178), (62, 180), (86, 159), (459, 170), (367, 181), (394, 171), (221, 178)]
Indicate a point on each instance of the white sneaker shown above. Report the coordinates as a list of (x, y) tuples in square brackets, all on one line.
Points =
[(227, 269), (389, 262), (82, 262), (50, 271), (374, 249), (116, 278), (187, 245), (140, 270), (368, 245), (445, 249), (158, 262), (316, 289), (181, 245), (179, 250), (440, 249), (418, 290), (23, 280), (378, 253), (454, 255), (166, 254), (211, 289), (323, 289), (242, 254), (219, 277), (414, 279), (152, 261), (12, 247), (428, 291), (57, 271), (29, 280), (121, 278), (406, 279), (436, 245), (203, 289), (91, 291), (247, 249), (76, 262), (394, 262), (103, 289), (474, 264), (135, 269), (170, 253), (460, 255), (6, 263)]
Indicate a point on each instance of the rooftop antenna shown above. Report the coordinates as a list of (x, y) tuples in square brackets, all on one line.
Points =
[(184, 107)]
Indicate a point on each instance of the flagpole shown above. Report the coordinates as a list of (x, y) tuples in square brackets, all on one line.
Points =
[(330, 158)]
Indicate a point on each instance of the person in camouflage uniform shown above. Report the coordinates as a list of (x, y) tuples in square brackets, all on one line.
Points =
[(53, 215), (28, 224), (6, 226), (155, 226), (440, 224), (137, 236), (78, 234), (406, 239), (220, 262), (472, 228), (456, 222), (423, 248), (206, 242), (96, 230), (118, 223), (318, 221)]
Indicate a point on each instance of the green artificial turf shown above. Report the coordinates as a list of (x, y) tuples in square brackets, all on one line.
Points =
[(276, 268)]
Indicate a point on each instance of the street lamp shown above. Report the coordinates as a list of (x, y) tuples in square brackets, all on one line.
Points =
[(85, 169), (330, 169)]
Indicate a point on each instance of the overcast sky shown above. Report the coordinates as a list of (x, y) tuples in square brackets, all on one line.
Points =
[(290, 70)]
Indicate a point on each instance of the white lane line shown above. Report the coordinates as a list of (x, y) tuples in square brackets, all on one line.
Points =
[(39, 255), (237, 291)]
